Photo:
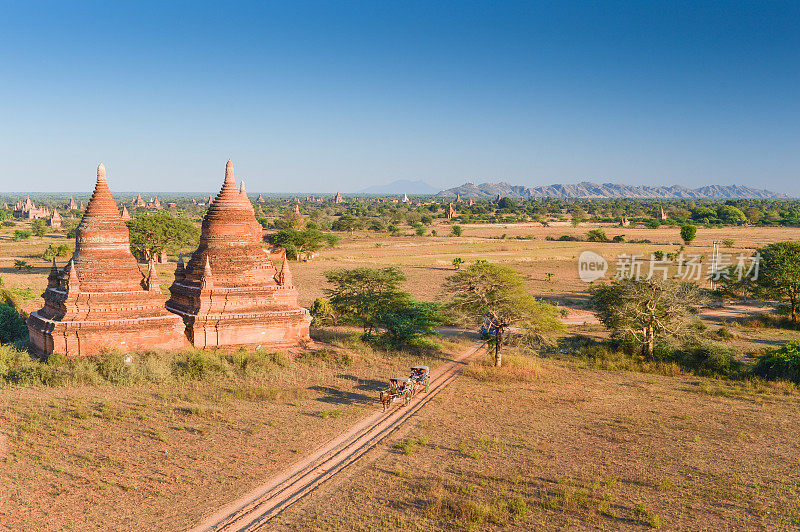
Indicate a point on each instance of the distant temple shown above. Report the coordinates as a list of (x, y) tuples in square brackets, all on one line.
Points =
[(229, 293), (338, 198), (138, 202), (55, 220), (625, 222), (261, 199), (451, 212), (662, 215), (125, 214), (73, 206), (101, 300), (29, 210)]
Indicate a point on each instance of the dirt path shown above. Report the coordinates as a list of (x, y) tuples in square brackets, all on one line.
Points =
[(254, 510)]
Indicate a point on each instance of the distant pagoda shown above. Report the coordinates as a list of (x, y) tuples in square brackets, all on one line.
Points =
[(101, 300), (229, 293)]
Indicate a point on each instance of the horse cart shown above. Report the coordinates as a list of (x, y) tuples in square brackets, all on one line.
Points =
[(421, 376), (406, 387), (399, 388)]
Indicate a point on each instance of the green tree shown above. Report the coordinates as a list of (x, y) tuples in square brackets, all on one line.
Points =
[(360, 294), (22, 265), (307, 240), (407, 323), (456, 230), (779, 274), (457, 262), (578, 215), (347, 222), (688, 233), (374, 299), (491, 291), (54, 250), (730, 215), (152, 233), (39, 228), (753, 215), (640, 312)]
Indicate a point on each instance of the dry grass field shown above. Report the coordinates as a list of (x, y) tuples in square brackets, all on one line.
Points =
[(557, 446), (160, 456), (554, 443)]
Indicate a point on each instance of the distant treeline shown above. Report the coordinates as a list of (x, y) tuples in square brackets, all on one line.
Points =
[(389, 214)]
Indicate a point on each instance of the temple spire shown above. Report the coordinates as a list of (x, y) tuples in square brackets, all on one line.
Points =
[(207, 282), (73, 283), (52, 279), (285, 275), (242, 191), (101, 173), (152, 276), (229, 173), (180, 269)]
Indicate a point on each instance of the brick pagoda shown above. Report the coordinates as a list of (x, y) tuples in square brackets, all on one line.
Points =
[(101, 300), (229, 293)]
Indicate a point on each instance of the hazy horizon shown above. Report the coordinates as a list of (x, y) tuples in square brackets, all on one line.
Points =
[(341, 96)]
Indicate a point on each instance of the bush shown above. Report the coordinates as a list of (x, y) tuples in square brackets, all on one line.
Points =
[(708, 359), (782, 363), (456, 230), (12, 324), (17, 367), (199, 365), (21, 234), (322, 311), (596, 235), (652, 224)]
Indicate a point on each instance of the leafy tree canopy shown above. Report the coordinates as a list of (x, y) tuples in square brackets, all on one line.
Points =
[(640, 312), (152, 233), (306, 240), (486, 290), (779, 274)]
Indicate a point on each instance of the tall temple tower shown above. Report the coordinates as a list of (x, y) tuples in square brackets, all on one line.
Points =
[(101, 300), (229, 292)]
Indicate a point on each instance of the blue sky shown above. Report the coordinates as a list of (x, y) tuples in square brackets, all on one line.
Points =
[(327, 96)]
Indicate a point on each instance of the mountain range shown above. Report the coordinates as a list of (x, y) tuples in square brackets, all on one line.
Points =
[(608, 190)]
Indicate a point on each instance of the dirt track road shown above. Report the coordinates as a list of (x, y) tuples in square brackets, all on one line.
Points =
[(254, 510)]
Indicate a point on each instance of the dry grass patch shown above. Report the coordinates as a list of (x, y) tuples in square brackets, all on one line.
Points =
[(516, 367)]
